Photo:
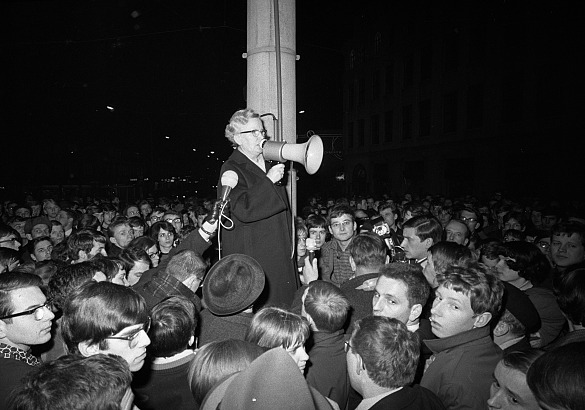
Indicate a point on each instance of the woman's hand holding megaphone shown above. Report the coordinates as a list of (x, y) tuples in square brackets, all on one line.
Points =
[(276, 173)]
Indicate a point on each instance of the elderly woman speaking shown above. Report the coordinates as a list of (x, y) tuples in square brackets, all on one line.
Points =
[(259, 209)]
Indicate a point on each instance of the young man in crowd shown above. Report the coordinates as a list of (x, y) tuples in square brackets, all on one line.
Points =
[(102, 317), (76, 382), (334, 262), (464, 355), (326, 308), (567, 246), (368, 254), (85, 245), (164, 383), (382, 357), (120, 234), (420, 233), (458, 232), (25, 321)]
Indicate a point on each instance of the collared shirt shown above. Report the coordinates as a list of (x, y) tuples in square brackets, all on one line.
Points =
[(369, 402), (11, 352), (334, 263)]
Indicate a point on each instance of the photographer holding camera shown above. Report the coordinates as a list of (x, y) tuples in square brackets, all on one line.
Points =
[(385, 226)]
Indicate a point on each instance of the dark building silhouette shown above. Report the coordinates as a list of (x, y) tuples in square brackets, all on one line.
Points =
[(463, 98)]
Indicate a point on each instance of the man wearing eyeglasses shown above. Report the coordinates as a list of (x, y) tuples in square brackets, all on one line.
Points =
[(25, 321), (334, 262), (259, 208), (174, 219), (102, 317)]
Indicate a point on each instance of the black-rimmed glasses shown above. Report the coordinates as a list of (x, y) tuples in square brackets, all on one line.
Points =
[(133, 337), (38, 311), (255, 132)]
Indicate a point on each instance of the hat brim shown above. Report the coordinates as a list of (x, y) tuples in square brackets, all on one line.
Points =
[(223, 307)]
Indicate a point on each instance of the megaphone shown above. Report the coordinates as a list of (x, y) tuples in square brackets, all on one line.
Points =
[(310, 154)]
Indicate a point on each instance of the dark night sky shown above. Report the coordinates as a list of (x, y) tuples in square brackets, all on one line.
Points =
[(173, 69)]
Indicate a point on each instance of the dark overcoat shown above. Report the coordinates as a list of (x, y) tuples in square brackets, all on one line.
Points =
[(262, 228)]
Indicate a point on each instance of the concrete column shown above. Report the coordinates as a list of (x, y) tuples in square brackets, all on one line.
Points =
[(261, 91)]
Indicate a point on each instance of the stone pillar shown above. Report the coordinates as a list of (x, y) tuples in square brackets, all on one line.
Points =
[(262, 95)]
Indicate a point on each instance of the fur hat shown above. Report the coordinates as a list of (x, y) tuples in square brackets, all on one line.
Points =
[(233, 284)]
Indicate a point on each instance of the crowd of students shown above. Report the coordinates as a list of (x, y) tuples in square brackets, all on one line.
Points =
[(427, 302)]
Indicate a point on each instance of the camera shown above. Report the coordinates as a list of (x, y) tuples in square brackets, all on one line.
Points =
[(380, 227)]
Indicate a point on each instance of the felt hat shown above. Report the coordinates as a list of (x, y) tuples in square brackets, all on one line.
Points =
[(32, 222), (519, 305), (272, 381), (233, 284)]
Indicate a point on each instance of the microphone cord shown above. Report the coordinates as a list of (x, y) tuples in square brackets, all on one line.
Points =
[(221, 225)]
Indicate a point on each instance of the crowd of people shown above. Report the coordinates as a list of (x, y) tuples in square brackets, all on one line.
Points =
[(399, 302)]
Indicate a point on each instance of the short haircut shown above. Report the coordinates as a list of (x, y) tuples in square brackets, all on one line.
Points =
[(490, 248), (389, 351), (108, 265), (75, 382), (316, 221), (130, 256), (239, 118), (467, 231), (97, 310), (518, 216), (557, 378), (276, 327), (570, 228), (216, 361), (137, 222), (47, 269), (515, 327), (7, 230), (387, 205), (186, 264), (425, 226), (119, 221), (417, 286), (67, 279), (521, 361), (570, 291), (415, 208), (327, 306), (174, 320), (445, 254), (11, 281), (529, 261), (476, 281), (368, 250), (79, 241), (143, 242), (338, 211), (33, 244), (8, 255), (474, 211)]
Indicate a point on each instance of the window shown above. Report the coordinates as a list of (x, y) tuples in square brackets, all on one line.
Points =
[(512, 98), (361, 132), (424, 113), (377, 42), (388, 125), (376, 85), (375, 129), (450, 112), (475, 106), (426, 62), (407, 122), (361, 92), (350, 135), (452, 50), (389, 79), (351, 96), (408, 70)]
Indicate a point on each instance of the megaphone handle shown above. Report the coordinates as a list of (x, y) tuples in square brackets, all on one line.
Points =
[(279, 182)]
